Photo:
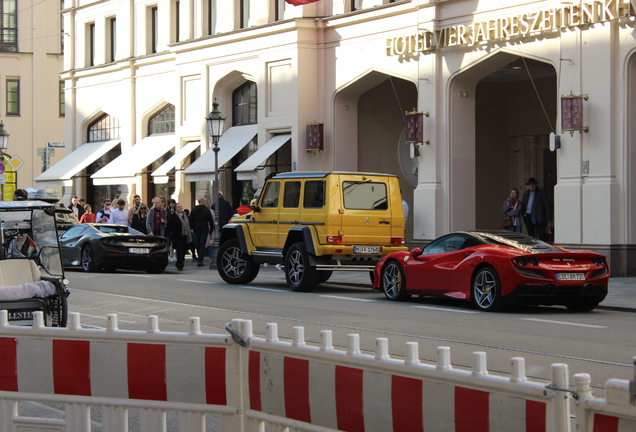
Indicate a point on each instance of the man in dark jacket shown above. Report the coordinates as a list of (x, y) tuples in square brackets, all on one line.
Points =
[(535, 209), (202, 224), (225, 210)]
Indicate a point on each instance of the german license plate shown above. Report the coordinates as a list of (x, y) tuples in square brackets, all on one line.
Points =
[(138, 250), (20, 316), (366, 249), (570, 276)]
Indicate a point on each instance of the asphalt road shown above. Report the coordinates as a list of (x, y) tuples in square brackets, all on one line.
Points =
[(601, 342)]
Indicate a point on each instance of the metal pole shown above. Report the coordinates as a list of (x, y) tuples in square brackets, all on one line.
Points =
[(217, 232)]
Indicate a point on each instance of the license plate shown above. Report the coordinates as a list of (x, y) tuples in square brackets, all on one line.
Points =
[(366, 249), (19, 316), (570, 276), (138, 250)]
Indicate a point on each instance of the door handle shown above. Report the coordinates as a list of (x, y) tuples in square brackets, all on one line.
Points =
[(385, 222)]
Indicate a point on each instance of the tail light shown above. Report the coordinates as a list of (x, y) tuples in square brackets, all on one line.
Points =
[(524, 261), (598, 261), (334, 239), (109, 241), (398, 240)]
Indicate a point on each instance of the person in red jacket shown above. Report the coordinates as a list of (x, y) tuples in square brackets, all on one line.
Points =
[(243, 208)]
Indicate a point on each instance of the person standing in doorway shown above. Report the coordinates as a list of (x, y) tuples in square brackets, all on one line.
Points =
[(202, 224), (512, 209), (535, 210)]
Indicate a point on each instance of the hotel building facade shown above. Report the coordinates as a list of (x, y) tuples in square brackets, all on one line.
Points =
[(492, 82)]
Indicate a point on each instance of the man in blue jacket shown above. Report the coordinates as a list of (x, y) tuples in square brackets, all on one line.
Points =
[(535, 209)]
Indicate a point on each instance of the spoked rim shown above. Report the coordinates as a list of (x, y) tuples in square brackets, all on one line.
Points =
[(233, 263), (392, 280), (87, 258), (484, 288), (296, 268)]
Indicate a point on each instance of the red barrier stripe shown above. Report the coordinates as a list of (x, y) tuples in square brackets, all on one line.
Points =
[(296, 387), (535, 416), (147, 371), (604, 423), (254, 379), (349, 403), (215, 385), (8, 365), (406, 402), (471, 410), (72, 367)]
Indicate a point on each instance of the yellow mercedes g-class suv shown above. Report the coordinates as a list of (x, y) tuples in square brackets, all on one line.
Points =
[(314, 223)]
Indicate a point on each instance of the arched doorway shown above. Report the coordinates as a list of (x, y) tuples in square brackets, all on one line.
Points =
[(502, 113), (370, 127)]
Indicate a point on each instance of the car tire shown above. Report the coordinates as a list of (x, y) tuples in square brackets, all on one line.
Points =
[(87, 259), (156, 268), (486, 290), (300, 274), (393, 281), (234, 265), (582, 305), (323, 276)]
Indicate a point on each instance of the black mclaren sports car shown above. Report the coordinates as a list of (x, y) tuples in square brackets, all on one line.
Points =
[(106, 247)]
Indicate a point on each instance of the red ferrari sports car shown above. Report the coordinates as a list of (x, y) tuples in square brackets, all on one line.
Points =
[(495, 269)]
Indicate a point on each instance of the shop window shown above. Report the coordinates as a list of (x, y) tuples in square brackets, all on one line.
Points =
[(162, 122), (244, 104), (8, 26), (13, 97), (104, 128), (10, 179)]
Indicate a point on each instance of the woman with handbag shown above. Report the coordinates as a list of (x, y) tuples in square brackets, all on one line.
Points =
[(512, 209)]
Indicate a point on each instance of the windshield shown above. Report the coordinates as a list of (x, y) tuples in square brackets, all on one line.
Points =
[(31, 234)]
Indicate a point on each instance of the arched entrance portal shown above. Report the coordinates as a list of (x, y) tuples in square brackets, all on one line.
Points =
[(509, 105), (370, 128)]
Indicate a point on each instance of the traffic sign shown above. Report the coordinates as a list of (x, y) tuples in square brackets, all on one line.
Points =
[(3, 179), (2, 167), (15, 162), (56, 144)]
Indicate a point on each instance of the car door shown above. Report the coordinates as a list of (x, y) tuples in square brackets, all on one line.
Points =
[(288, 212), (264, 223), (68, 245), (432, 270)]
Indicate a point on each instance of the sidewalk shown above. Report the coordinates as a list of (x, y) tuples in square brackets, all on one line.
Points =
[(621, 296)]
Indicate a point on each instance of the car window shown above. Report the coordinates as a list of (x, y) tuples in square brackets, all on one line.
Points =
[(270, 197), (292, 194), (112, 229), (365, 195), (314, 196), (65, 217), (74, 232), (449, 243)]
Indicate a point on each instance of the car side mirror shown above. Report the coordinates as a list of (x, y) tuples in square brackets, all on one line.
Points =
[(416, 252), (254, 206)]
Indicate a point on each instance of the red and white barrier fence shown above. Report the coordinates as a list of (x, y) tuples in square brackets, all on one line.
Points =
[(615, 413), (284, 385)]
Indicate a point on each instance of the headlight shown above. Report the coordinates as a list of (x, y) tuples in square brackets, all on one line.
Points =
[(523, 261)]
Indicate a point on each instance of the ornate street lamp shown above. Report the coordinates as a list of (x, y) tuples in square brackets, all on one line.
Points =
[(4, 138), (215, 121)]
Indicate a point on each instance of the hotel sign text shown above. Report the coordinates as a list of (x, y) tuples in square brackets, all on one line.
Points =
[(527, 23)]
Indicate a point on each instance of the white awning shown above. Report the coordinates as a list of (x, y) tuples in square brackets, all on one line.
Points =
[(160, 175), (247, 170), (62, 172), (132, 160), (232, 142)]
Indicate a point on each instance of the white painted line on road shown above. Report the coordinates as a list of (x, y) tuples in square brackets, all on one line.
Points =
[(347, 298), (105, 318), (195, 281), (261, 289), (137, 275), (446, 309), (563, 323)]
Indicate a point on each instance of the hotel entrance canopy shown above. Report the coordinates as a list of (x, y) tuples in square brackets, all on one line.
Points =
[(125, 168), (247, 170), (232, 142), (61, 173)]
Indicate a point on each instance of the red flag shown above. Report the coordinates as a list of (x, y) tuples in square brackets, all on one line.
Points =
[(300, 2)]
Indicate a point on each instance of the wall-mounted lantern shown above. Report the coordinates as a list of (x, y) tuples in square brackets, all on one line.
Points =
[(415, 131), (315, 137), (4, 138), (572, 113)]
